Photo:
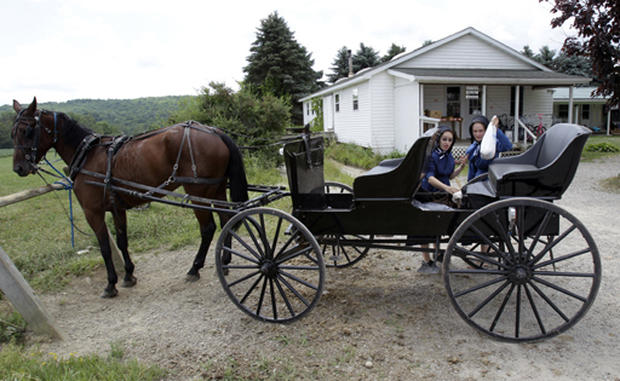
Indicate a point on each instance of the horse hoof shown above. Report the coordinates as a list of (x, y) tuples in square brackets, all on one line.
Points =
[(192, 277), (109, 293), (129, 282)]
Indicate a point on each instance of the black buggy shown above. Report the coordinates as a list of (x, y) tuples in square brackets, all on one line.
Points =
[(515, 265)]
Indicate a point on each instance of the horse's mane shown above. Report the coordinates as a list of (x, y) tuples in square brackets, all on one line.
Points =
[(72, 132)]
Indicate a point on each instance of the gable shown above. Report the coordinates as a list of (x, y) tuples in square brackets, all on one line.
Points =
[(467, 52)]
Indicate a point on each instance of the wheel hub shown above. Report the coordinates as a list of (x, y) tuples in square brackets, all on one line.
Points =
[(269, 269), (520, 274)]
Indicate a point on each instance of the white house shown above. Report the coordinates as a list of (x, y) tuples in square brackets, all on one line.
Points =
[(388, 106), (588, 110)]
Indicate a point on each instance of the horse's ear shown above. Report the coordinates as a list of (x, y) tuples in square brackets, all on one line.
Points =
[(33, 107), (17, 106)]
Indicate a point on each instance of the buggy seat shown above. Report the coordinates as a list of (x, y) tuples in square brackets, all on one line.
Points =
[(545, 170), (395, 178)]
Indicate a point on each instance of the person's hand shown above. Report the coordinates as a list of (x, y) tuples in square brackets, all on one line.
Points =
[(495, 121), (452, 190), (462, 160)]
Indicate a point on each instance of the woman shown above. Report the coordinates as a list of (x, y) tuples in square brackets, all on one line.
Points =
[(477, 128), (439, 171)]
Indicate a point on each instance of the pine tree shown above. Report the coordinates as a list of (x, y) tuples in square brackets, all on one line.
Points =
[(365, 57), (340, 65), (393, 51), (527, 51), (279, 65)]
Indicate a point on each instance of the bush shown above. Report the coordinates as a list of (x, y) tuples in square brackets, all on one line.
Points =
[(357, 156), (602, 147)]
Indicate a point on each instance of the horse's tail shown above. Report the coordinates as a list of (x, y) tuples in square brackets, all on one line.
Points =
[(235, 171)]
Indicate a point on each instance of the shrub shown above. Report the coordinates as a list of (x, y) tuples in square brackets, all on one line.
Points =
[(602, 147), (357, 156)]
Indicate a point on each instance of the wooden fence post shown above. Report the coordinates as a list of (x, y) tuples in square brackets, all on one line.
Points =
[(23, 298)]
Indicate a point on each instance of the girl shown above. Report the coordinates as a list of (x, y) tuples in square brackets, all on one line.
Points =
[(439, 171), (477, 128)]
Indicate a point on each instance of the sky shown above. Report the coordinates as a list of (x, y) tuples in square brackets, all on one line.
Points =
[(59, 50)]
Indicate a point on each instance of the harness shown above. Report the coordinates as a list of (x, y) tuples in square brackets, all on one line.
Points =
[(31, 153), (114, 146)]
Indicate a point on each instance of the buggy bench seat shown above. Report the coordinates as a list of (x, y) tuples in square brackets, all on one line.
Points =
[(545, 170), (394, 178)]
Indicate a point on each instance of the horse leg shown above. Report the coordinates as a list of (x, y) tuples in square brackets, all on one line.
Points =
[(207, 230), (97, 223), (120, 223)]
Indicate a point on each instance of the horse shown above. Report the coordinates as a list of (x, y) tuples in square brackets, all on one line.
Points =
[(199, 158)]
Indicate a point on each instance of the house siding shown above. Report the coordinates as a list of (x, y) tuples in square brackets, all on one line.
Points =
[(407, 110), (353, 126), (467, 52), (382, 112), (536, 102)]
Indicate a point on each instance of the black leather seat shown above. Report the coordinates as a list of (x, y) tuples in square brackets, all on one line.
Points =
[(395, 178), (546, 169)]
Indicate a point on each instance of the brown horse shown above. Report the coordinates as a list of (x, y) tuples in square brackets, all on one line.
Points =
[(191, 155)]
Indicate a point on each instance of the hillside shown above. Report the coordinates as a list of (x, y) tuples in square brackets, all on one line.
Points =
[(110, 116)]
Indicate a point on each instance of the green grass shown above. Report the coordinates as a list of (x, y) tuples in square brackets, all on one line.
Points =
[(18, 364), (593, 151), (4, 152), (357, 156)]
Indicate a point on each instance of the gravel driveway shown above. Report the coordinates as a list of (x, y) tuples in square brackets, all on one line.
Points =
[(377, 320)]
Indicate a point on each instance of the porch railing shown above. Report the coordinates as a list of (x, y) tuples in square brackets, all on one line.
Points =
[(526, 132), (427, 120)]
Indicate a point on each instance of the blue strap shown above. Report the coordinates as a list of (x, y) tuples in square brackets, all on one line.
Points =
[(68, 185)]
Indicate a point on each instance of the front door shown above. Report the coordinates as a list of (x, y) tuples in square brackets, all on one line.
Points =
[(472, 106)]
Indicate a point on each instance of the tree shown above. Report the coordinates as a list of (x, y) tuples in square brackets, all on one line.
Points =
[(365, 57), (527, 51), (340, 65), (573, 65), (598, 37), (279, 65), (393, 51), (545, 56)]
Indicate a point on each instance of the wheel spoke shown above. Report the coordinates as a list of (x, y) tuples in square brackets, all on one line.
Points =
[(500, 311), (275, 236), (550, 245), (485, 238), (562, 258), (245, 244), (346, 255), (251, 233), (521, 235), (243, 278), (285, 298), (518, 310), (549, 302), (293, 290), (273, 299), (560, 289), (503, 233), (251, 289), (292, 254), (262, 297), (286, 267), (288, 242), (567, 274), (488, 299), (478, 271), (480, 286), (299, 280), (482, 257), (232, 251), (263, 236), (541, 228), (535, 310)]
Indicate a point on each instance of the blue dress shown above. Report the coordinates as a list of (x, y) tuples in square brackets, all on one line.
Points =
[(478, 165), (440, 165)]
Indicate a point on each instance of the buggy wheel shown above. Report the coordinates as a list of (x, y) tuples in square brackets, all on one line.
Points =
[(340, 250), (540, 270), (269, 274)]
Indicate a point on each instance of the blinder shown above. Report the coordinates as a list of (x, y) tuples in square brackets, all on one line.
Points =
[(33, 132)]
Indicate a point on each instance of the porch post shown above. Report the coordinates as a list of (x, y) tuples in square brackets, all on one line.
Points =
[(570, 104), (608, 121), (515, 129), (483, 108)]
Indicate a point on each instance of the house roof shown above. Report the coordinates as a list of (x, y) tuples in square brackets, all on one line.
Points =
[(539, 75), (579, 94), (490, 76)]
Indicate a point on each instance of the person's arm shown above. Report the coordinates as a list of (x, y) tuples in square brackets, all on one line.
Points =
[(503, 143), (439, 185), (459, 168)]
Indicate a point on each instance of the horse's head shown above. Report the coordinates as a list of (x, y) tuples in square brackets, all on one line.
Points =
[(33, 135)]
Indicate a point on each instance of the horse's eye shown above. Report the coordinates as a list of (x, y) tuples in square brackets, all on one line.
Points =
[(29, 132)]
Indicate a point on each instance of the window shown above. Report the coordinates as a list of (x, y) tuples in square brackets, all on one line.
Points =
[(307, 108), (472, 94), (337, 102), (585, 111), (512, 101), (355, 100), (563, 111), (453, 101)]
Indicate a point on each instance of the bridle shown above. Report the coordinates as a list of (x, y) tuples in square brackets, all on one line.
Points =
[(31, 152)]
